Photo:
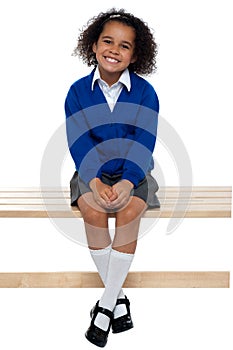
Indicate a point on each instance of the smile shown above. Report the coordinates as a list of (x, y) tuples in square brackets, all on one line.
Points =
[(111, 60)]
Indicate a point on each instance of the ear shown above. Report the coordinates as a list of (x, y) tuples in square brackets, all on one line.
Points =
[(94, 48)]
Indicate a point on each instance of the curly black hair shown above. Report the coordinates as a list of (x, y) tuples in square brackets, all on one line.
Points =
[(145, 45)]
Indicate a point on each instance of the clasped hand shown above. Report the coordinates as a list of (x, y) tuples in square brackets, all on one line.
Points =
[(109, 197)]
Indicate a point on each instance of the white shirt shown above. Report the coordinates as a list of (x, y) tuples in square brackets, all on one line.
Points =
[(112, 93)]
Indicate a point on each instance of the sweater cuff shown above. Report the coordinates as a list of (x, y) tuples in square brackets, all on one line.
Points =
[(88, 175), (134, 178)]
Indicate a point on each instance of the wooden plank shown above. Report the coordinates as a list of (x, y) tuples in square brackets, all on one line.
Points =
[(36, 211), (66, 189), (169, 191), (192, 212), (136, 279), (163, 201), (202, 202), (33, 211)]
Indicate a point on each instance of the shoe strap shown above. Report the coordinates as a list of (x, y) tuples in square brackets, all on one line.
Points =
[(104, 311), (123, 301)]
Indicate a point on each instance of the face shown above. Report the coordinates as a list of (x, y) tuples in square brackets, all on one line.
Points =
[(114, 50)]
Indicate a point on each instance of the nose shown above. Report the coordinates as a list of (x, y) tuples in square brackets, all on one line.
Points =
[(114, 50)]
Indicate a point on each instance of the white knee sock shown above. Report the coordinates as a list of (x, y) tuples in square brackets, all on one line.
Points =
[(101, 260), (118, 268)]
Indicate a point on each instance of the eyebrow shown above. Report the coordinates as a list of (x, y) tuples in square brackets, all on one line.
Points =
[(123, 41)]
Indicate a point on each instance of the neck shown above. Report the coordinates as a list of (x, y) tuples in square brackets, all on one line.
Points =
[(110, 78)]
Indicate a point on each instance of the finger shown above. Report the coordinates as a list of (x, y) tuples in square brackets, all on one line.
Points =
[(113, 197), (104, 196), (102, 203), (109, 192), (120, 201), (100, 200)]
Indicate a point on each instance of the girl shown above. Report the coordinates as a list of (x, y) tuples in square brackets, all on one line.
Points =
[(111, 117)]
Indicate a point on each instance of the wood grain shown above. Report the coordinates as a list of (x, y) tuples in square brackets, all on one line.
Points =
[(135, 279), (185, 202)]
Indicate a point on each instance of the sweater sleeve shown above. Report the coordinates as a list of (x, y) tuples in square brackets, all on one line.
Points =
[(79, 138), (139, 159)]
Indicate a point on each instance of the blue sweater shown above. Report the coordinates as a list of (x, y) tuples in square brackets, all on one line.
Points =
[(117, 142)]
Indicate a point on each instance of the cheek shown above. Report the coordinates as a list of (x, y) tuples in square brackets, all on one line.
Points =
[(131, 58)]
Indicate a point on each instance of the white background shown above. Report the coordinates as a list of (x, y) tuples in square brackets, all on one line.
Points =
[(194, 85)]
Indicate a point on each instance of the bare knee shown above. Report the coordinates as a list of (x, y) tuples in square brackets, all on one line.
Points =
[(132, 212), (127, 215), (92, 213), (94, 217)]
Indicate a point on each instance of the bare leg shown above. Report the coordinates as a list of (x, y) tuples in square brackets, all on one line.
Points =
[(127, 226), (96, 222)]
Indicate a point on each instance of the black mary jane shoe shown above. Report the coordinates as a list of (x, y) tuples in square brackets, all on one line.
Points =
[(123, 323), (94, 334)]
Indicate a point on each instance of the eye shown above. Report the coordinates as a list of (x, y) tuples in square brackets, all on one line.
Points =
[(107, 41), (125, 46)]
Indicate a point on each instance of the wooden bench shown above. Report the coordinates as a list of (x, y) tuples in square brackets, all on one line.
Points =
[(177, 202), (196, 202)]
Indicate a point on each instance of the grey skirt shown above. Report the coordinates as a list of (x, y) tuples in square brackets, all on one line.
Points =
[(146, 189)]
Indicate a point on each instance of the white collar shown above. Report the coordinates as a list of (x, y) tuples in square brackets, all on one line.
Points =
[(124, 78)]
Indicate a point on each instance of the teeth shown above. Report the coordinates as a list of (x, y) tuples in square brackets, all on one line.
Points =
[(112, 60)]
